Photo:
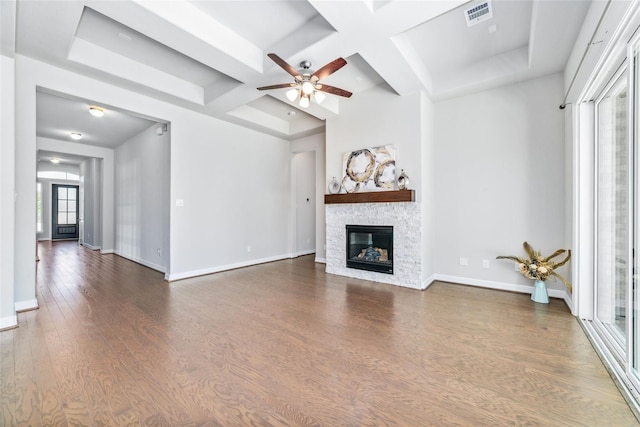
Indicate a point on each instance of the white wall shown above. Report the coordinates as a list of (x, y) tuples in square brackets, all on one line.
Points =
[(142, 198), (316, 144), (7, 180), (91, 183), (373, 118), (234, 184), (499, 179), (233, 181), (428, 184), (304, 172)]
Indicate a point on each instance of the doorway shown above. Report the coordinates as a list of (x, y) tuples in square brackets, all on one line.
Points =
[(64, 212), (304, 169)]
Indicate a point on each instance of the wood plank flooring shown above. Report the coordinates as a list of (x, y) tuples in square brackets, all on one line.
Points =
[(278, 344)]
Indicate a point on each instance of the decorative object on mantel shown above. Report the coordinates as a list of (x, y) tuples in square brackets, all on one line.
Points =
[(369, 169), (403, 181), (334, 186), (540, 268)]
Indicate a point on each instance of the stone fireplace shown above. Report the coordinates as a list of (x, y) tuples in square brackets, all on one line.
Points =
[(405, 218)]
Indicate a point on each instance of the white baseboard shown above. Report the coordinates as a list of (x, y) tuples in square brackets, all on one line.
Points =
[(8, 322), (302, 253), (429, 281), (107, 251), (88, 246), (26, 305), (205, 271), (554, 293), (321, 260), (151, 265)]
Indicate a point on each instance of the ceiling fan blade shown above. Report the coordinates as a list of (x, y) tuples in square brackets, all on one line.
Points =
[(282, 63), (281, 85), (328, 69), (334, 90)]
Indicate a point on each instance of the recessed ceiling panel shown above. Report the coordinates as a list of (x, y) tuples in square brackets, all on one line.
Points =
[(109, 34), (262, 22), (447, 43), (63, 158), (57, 116)]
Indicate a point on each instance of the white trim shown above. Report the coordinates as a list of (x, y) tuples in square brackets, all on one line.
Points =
[(26, 305), (524, 289), (88, 246), (205, 271), (302, 253), (321, 260), (106, 251), (619, 377), (140, 261), (429, 281), (8, 322)]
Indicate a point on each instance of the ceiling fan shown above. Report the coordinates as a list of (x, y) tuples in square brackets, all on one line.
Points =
[(307, 82)]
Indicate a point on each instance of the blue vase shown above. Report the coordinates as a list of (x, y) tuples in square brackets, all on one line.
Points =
[(539, 293)]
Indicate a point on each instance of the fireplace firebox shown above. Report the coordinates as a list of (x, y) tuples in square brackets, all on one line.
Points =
[(370, 247)]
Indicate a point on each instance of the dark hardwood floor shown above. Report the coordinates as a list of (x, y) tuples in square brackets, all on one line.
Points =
[(286, 344)]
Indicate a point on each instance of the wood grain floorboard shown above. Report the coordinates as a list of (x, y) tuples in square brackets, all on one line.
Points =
[(286, 344)]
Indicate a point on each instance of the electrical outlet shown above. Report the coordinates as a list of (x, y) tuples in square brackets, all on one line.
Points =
[(159, 252), (464, 261), (249, 248), (485, 263)]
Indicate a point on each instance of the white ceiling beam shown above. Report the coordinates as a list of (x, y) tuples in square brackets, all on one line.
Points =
[(356, 23), (96, 57), (163, 22)]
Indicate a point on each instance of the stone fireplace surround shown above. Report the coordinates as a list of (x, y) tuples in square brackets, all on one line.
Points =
[(406, 219)]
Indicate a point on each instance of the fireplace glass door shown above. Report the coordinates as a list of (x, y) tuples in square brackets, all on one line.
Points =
[(370, 247)]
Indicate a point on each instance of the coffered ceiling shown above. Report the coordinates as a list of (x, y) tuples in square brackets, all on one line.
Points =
[(210, 56)]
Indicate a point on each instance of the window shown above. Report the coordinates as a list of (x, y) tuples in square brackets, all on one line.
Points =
[(58, 175), (67, 201)]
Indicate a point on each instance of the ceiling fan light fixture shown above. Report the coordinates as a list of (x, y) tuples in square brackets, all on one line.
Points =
[(304, 101), (307, 88), (75, 135), (292, 94), (319, 96), (96, 111)]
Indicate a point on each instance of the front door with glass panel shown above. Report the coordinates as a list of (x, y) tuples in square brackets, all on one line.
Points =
[(64, 212)]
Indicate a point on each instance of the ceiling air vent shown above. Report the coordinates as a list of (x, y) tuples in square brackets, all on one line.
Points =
[(478, 13)]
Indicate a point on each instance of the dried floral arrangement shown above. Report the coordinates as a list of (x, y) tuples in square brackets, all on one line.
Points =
[(537, 267)]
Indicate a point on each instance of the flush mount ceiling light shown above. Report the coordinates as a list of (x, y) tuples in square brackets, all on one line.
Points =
[(75, 135), (55, 160), (96, 111), (307, 82)]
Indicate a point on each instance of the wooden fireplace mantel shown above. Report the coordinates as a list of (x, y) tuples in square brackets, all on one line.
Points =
[(371, 197)]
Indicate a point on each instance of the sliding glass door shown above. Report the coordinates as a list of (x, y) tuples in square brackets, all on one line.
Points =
[(613, 211), (633, 355), (616, 318)]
